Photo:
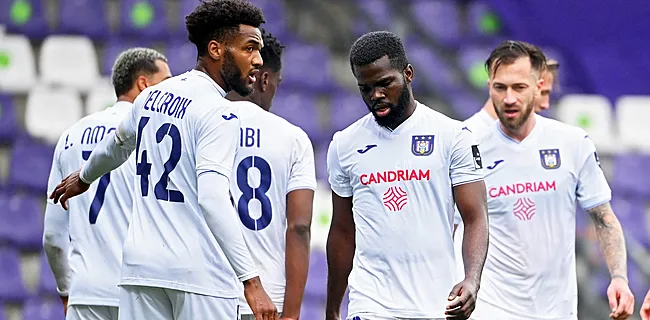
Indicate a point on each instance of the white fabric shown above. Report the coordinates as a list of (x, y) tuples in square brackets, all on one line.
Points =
[(480, 122), (404, 260), (595, 111), (56, 244), (137, 303), (81, 312), (632, 114), (20, 74), (273, 159), (69, 61), (99, 218), (50, 111), (180, 129), (100, 97), (533, 188)]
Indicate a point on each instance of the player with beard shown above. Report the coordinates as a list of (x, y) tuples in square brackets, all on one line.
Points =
[(183, 257), (538, 169), (394, 176)]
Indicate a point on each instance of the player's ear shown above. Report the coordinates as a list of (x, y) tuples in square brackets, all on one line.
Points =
[(216, 49), (141, 83), (264, 80), (408, 73)]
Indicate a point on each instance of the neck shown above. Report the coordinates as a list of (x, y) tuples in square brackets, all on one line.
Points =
[(407, 113), (216, 76), (129, 96), (489, 108), (234, 96), (522, 132)]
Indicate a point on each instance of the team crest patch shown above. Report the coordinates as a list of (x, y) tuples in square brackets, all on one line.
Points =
[(550, 158), (422, 145)]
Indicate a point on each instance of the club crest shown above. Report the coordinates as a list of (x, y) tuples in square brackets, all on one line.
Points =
[(550, 158), (422, 145)]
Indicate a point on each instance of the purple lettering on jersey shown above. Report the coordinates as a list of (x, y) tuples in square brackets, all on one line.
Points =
[(149, 99), (519, 188)]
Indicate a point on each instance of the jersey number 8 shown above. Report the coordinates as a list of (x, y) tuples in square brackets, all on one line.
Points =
[(143, 168), (249, 193)]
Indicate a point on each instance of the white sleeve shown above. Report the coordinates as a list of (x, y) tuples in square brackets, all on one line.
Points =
[(303, 171), (338, 179), (220, 216), (56, 235), (592, 189), (466, 165), (216, 142), (113, 150)]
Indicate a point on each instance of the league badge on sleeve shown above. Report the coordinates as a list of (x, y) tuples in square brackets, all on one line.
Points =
[(476, 154), (550, 158), (422, 145)]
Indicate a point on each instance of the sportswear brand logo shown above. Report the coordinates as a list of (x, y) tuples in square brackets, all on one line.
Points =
[(524, 209), (368, 147), (466, 128), (229, 117), (496, 163), (395, 198)]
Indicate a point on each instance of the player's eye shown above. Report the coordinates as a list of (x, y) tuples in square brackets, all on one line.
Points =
[(250, 49)]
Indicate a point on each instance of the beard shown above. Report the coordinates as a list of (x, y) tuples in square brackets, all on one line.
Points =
[(233, 76), (396, 110), (516, 123)]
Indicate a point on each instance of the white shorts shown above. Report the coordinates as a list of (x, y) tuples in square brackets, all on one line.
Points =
[(375, 317), (83, 312), (140, 302)]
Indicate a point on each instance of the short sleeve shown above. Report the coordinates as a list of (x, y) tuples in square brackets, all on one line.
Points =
[(338, 179), (466, 165), (56, 172), (127, 130), (217, 135), (592, 189), (303, 171)]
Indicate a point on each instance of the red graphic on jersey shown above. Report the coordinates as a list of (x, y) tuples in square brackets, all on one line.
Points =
[(524, 209), (395, 198)]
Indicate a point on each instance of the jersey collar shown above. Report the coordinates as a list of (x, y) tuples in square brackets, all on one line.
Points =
[(531, 135), (408, 123), (214, 84)]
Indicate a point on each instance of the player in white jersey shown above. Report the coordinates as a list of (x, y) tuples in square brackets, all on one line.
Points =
[(394, 176), (273, 187), (182, 257), (93, 230), (485, 119), (538, 168)]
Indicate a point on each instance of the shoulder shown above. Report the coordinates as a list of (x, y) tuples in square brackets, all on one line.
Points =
[(556, 130)]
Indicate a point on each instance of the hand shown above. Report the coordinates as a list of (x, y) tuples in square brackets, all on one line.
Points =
[(621, 300), (65, 305), (463, 300), (70, 187), (645, 308), (287, 318), (259, 301)]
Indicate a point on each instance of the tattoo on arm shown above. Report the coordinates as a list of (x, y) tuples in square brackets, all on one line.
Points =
[(611, 239)]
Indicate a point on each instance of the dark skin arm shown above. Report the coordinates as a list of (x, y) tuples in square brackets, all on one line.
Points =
[(299, 212), (472, 205), (340, 252)]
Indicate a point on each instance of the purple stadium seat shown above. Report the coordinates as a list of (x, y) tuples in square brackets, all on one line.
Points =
[(310, 67), (320, 159), (275, 16), (9, 127), (92, 23), (181, 55), (345, 109), (143, 19), (187, 6), (465, 105), (301, 110), (631, 175), (114, 47), (633, 218), (21, 221), (50, 309), (433, 68), (31, 161), (46, 282), (12, 289), (313, 310), (2, 312), (316, 287), (379, 11), (24, 17), (439, 19), (483, 22)]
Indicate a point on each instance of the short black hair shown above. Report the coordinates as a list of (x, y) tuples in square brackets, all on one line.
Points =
[(271, 52), (509, 51), (374, 45), (131, 64), (219, 19)]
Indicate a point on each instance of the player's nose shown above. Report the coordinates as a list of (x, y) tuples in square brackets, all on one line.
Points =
[(377, 94), (510, 97), (257, 61)]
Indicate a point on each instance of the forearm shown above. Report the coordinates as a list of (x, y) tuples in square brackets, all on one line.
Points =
[(340, 253), (296, 267), (56, 243), (475, 246), (222, 220), (109, 154), (611, 239)]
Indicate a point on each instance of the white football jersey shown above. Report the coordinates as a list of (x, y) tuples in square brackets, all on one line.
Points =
[(169, 243), (532, 189), (274, 158), (401, 185), (480, 122), (99, 218)]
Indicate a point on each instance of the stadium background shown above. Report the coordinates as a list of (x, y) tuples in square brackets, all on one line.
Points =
[(56, 56)]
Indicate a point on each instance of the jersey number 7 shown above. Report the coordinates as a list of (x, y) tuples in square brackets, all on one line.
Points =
[(98, 200), (143, 168)]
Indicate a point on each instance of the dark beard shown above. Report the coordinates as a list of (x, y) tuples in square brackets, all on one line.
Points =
[(396, 111), (233, 76)]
